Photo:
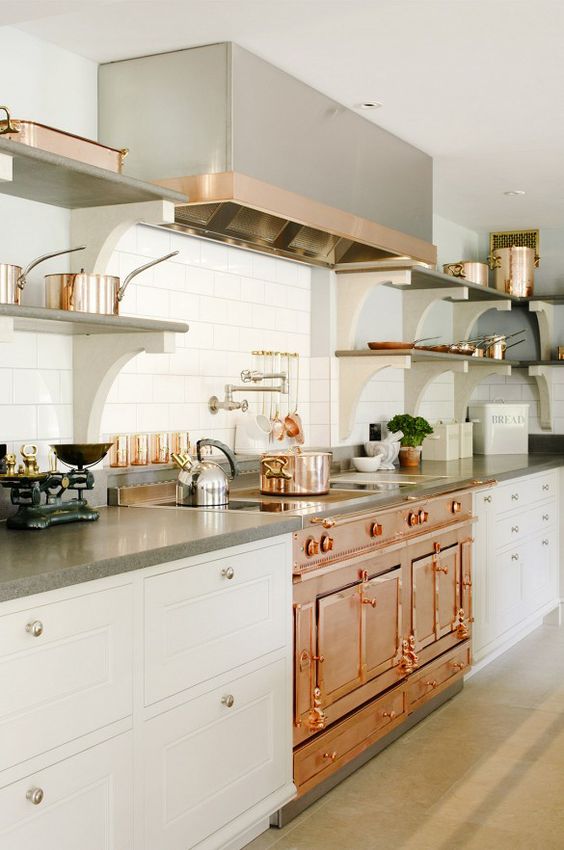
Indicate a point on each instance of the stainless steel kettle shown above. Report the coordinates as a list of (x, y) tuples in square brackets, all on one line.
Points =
[(204, 484)]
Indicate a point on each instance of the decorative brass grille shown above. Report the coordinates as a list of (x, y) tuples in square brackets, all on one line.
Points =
[(519, 238)]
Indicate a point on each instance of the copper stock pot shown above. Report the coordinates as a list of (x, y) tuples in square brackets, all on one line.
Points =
[(295, 473)]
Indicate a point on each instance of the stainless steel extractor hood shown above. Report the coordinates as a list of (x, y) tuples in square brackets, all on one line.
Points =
[(267, 162)]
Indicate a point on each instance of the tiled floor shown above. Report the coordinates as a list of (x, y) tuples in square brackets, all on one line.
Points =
[(484, 772)]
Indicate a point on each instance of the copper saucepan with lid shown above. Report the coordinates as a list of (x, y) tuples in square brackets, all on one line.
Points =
[(13, 278), (91, 293), (295, 473)]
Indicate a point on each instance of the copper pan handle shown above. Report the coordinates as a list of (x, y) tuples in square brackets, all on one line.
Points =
[(21, 282), (135, 272), (9, 128), (270, 464)]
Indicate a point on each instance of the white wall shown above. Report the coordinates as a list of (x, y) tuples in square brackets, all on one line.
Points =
[(235, 302), (43, 83)]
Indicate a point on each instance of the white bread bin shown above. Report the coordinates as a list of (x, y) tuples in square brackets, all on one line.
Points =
[(500, 429)]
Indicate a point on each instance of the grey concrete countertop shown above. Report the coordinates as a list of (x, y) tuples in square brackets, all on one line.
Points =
[(125, 539)]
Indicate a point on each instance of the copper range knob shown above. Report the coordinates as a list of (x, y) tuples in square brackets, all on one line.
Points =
[(311, 547), (423, 516), (326, 543), (375, 529), (413, 520), (456, 507)]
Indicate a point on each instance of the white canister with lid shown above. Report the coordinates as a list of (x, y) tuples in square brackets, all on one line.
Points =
[(500, 429), (443, 443)]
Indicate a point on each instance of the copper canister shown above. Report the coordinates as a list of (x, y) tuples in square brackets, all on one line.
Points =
[(180, 442), (119, 453), (139, 449), (514, 270), (473, 272), (160, 448)]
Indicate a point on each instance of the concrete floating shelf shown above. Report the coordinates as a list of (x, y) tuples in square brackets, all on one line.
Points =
[(51, 179), (43, 320), (102, 345)]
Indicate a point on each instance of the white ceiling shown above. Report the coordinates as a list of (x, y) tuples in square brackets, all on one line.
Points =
[(476, 83)]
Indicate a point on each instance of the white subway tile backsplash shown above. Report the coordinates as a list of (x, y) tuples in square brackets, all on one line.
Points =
[(53, 351), (263, 316), (189, 249), (168, 389), (215, 256), (252, 290), (37, 386), (264, 268), (213, 309), (276, 295), (153, 241), (153, 303), (18, 422), (21, 353), (226, 285), (240, 262), (6, 386)]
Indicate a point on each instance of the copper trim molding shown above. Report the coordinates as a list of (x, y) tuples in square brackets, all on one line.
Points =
[(364, 239)]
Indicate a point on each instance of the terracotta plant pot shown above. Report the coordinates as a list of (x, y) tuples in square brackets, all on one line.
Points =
[(410, 455)]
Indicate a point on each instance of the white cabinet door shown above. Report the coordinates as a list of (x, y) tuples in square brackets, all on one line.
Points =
[(205, 620), (86, 803), (509, 592), (483, 579), (208, 761), (65, 670), (540, 572)]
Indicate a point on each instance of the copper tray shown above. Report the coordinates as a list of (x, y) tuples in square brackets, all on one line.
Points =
[(64, 144), (390, 346)]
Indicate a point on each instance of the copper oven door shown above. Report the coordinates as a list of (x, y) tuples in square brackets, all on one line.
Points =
[(381, 623), (339, 643), (304, 659), (436, 595)]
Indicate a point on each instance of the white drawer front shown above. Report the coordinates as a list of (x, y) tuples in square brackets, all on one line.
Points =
[(200, 622), (523, 523), (526, 491), (86, 805), (73, 677), (206, 763)]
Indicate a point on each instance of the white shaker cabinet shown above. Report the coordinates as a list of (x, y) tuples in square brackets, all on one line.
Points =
[(516, 560), (216, 756), (81, 803), (151, 710)]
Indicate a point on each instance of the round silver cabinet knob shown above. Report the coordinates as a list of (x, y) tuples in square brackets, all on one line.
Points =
[(228, 572), (35, 796), (228, 700), (35, 628)]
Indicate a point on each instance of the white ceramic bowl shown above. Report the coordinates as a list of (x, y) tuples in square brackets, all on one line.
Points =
[(367, 464)]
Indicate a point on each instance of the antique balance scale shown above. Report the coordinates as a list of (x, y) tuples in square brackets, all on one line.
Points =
[(39, 495)]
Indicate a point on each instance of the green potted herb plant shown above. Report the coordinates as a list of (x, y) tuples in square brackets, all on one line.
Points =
[(414, 429)]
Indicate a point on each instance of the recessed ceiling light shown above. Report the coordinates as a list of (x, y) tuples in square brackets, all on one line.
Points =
[(515, 192), (369, 104)]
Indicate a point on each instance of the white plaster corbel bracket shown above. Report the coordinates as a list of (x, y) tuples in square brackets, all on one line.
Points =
[(101, 228), (97, 360), (543, 378), (545, 318)]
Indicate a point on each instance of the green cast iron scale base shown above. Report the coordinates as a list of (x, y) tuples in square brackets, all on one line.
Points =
[(39, 496), (44, 516)]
